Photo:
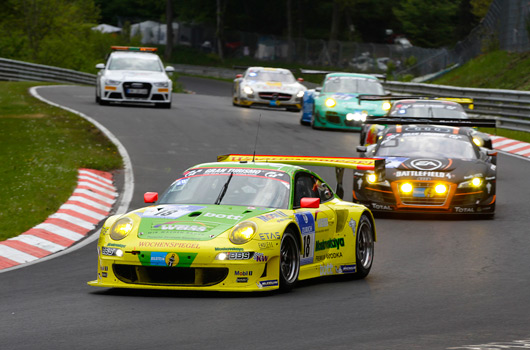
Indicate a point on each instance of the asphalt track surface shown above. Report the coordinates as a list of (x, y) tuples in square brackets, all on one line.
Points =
[(436, 283)]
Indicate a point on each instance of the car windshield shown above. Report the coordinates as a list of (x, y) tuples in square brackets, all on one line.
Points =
[(432, 146), (255, 188), (135, 63), (427, 110), (266, 75), (353, 85)]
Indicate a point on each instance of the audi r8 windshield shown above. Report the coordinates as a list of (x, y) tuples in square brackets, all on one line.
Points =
[(232, 187), (427, 110), (353, 85), (431, 146)]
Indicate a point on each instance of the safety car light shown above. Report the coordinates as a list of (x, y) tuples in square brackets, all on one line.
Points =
[(406, 188), (121, 228), (330, 103), (243, 232), (300, 93), (440, 189), (386, 105), (248, 90)]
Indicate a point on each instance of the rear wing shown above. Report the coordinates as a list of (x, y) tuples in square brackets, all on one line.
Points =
[(377, 166), (315, 71), (464, 101), (472, 122)]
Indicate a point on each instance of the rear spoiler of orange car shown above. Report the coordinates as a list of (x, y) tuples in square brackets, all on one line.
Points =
[(373, 165), (471, 122)]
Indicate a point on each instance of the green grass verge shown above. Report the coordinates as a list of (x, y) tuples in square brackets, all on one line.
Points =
[(42, 149)]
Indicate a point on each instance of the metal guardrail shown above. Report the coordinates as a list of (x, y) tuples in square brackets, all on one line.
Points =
[(510, 108), (12, 70)]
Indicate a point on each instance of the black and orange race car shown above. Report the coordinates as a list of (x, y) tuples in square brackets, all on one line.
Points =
[(429, 169)]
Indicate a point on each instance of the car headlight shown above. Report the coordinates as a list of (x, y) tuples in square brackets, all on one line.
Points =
[(330, 103), (162, 84), (112, 82), (386, 106), (121, 228), (474, 182), (300, 93), (248, 90), (357, 116), (406, 188), (440, 189), (478, 141), (243, 232)]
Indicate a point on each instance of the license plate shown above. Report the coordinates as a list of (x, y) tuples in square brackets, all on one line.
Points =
[(418, 192), (137, 91), (274, 103)]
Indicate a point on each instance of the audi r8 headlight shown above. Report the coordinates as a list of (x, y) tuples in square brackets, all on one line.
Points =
[(121, 228), (406, 187), (248, 90), (112, 82), (330, 103), (300, 93), (386, 106), (473, 183), (162, 84), (243, 232), (440, 189)]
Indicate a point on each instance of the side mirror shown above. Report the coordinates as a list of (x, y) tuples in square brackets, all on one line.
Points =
[(100, 66), (150, 197), (308, 202), (318, 89), (362, 149), (239, 76), (170, 69)]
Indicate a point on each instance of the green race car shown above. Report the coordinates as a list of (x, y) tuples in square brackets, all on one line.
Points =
[(335, 105)]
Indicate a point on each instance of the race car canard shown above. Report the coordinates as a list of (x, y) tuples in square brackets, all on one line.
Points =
[(433, 169), (239, 226), (271, 87)]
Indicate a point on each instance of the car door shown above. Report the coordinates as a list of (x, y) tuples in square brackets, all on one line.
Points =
[(317, 225)]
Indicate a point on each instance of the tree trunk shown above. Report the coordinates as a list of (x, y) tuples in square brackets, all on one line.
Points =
[(169, 30)]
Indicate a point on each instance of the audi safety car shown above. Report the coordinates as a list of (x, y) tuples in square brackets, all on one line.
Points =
[(244, 223), (272, 87), (335, 105), (436, 169), (134, 74)]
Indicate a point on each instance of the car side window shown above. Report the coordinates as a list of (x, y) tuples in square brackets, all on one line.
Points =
[(307, 185)]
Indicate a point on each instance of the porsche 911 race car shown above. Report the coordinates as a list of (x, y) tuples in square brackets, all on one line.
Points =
[(424, 108), (244, 223), (336, 106), (272, 87), (434, 169), (134, 74)]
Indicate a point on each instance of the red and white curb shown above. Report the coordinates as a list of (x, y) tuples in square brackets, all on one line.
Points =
[(91, 202), (511, 146)]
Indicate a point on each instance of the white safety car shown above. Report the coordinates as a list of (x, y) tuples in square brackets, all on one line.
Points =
[(134, 74), (273, 87)]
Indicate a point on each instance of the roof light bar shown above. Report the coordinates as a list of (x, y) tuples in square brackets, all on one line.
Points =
[(132, 48)]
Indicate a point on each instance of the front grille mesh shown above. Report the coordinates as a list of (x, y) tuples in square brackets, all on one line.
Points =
[(174, 276), (275, 96)]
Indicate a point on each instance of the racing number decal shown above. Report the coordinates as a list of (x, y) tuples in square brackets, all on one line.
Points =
[(306, 222)]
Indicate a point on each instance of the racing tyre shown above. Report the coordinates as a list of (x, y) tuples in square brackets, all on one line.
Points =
[(102, 102), (289, 261), (364, 247), (97, 99)]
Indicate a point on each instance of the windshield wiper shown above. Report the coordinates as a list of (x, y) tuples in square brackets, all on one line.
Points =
[(223, 190)]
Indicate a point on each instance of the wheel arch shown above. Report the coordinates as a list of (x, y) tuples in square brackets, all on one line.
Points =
[(372, 221)]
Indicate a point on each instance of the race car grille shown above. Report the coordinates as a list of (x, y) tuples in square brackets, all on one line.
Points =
[(137, 90), (333, 117), (169, 276), (423, 194), (274, 96)]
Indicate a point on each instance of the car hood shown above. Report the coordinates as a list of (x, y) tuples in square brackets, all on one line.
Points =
[(272, 86), (139, 76), (350, 102), (191, 222), (446, 169)]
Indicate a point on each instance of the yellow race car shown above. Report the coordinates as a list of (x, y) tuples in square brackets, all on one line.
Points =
[(244, 223)]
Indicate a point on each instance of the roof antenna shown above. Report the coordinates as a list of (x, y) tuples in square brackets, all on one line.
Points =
[(256, 141)]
